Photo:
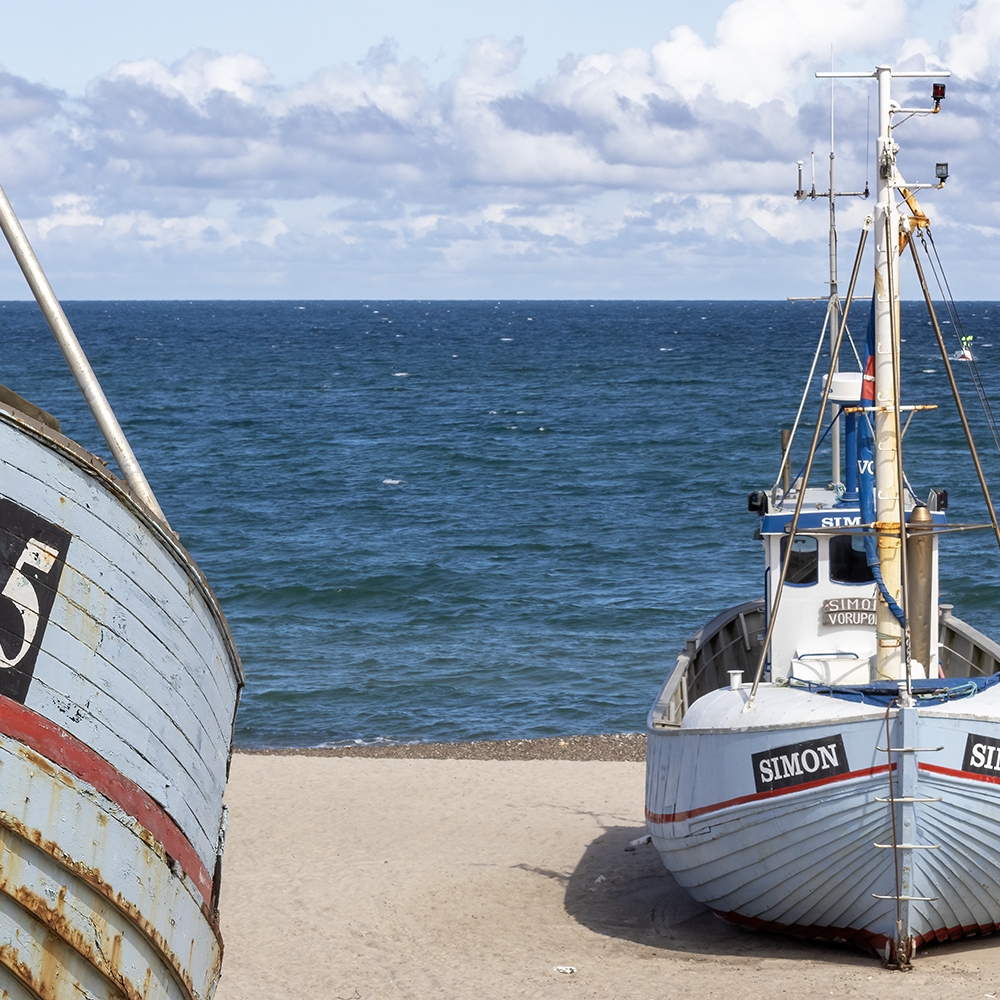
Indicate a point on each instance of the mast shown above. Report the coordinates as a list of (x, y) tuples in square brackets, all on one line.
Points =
[(834, 306), (888, 493), (892, 657)]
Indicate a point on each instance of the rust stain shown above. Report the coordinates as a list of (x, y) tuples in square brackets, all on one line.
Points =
[(50, 968), (92, 876), (45, 766), (60, 929), (116, 952), (11, 958)]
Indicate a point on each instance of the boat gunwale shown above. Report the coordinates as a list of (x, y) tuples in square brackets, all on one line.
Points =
[(874, 712)]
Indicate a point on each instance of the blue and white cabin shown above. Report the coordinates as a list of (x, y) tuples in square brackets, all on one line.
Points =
[(826, 619), (826, 628)]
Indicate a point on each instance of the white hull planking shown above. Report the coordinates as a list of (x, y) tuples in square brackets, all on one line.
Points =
[(802, 858), (136, 663)]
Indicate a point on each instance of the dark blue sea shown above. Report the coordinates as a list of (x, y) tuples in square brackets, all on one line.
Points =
[(480, 520)]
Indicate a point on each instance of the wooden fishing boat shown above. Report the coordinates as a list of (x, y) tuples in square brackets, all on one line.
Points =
[(825, 760), (119, 682)]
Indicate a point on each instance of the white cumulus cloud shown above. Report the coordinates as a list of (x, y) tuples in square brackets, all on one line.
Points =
[(664, 172)]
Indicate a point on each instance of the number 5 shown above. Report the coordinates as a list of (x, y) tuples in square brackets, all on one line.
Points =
[(21, 591)]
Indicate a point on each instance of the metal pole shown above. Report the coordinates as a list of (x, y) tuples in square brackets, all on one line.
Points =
[(904, 590), (77, 360), (888, 498), (805, 477), (834, 306)]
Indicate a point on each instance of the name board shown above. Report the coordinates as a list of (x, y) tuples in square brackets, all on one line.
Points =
[(850, 611), (982, 755), (798, 763)]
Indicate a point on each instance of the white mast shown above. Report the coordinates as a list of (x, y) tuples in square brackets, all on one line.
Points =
[(888, 493), (890, 659)]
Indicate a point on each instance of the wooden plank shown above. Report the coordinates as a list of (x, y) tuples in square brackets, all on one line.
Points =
[(51, 485), (187, 629)]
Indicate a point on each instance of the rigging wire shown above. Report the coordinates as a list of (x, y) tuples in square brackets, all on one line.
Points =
[(786, 458), (802, 471), (857, 357), (944, 288)]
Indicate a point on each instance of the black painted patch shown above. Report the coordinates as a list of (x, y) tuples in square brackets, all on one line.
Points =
[(32, 556), (982, 755), (798, 763)]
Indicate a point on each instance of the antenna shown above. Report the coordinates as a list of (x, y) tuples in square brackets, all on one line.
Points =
[(833, 299), (868, 138)]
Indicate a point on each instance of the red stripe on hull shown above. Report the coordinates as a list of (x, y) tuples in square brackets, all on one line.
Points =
[(844, 935), (677, 817), (868, 940), (952, 773), (64, 749)]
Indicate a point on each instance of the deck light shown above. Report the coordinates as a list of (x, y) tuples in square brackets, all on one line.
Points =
[(938, 92), (941, 172)]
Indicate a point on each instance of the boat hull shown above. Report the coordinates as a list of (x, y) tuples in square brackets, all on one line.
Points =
[(119, 683), (833, 852)]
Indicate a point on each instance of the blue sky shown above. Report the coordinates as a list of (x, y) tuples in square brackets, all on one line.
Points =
[(441, 149)]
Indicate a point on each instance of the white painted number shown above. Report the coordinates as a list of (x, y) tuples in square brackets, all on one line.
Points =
[(21, 591)]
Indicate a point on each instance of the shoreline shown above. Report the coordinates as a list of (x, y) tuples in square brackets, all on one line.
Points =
[(627, 747)]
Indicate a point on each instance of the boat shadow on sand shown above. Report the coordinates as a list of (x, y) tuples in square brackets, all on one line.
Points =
[(628, 894)]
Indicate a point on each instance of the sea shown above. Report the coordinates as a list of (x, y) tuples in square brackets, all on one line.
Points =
[(441, 521)]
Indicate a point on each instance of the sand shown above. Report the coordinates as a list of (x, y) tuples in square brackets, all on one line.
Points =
[(443, 875)]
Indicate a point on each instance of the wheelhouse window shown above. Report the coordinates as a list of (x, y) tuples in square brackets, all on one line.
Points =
[(803, 560), (848, 562)]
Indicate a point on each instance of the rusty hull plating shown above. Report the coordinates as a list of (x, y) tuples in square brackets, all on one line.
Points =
[(114, 762)]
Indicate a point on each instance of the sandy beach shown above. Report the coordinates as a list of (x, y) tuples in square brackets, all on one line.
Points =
[(430, 872)]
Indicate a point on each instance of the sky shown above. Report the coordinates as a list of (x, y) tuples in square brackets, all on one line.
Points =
[(438, 149)]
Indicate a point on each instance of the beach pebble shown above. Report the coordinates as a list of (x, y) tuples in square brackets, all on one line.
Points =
[(607, 747)]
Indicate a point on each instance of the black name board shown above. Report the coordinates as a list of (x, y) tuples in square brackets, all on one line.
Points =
[(32, 556), (799, 763), (982, 755)]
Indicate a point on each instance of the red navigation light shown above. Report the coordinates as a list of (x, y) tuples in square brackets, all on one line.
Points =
[(938, 92)]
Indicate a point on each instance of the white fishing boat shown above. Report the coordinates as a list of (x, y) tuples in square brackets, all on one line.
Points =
[(825, 760), (119, 683)]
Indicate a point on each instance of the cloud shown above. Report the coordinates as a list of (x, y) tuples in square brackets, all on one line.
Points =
[(663, 171)]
